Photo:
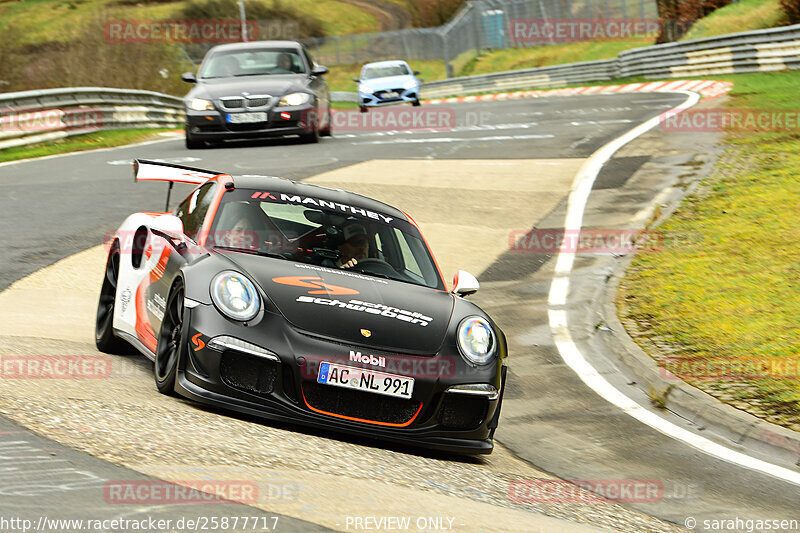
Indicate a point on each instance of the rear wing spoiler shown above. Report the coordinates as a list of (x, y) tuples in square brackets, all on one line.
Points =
[(146, 170)]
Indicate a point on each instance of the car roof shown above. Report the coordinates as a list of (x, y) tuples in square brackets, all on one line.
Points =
[(282, 185), (255, 45), (390, 63)]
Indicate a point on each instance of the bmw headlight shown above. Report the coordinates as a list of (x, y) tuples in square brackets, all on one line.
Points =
[(294, 99), (199, 104), (476, 340), (235, 295), (410, 84), (364, 89)]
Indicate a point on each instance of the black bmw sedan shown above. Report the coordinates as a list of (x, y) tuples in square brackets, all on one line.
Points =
[(257, 90)]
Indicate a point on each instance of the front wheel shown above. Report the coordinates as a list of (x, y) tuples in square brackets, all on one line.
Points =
[(311, 137), (192, 143), (328, 131), (169, 342), (416, 103)]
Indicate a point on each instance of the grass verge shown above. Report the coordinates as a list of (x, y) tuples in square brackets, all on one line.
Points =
[(742, 16), (721, 297), (80, 143)]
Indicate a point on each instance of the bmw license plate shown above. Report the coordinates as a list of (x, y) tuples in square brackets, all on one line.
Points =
[(246, 118), (364, 379)]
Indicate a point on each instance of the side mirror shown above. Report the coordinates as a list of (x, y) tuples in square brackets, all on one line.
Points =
[(319, 70), (417, 73), (465, 283), (169, 225), (188, 77), (357, 80)]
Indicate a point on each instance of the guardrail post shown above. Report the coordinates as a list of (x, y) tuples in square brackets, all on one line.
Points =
[(448, 68)]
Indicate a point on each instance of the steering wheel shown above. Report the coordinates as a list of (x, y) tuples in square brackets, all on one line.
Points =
[(374, 261), (372, 264)]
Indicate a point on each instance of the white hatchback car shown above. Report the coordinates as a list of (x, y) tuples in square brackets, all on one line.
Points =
[(387, 83)]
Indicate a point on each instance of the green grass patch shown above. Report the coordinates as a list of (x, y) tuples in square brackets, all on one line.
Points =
[(741, 16), (543, 56), (725, 285), (80, 143)]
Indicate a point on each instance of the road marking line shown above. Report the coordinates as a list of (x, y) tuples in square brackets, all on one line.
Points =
[(92, 151), (574, 358)]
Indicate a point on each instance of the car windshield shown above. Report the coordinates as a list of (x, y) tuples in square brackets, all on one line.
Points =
[(371, 73), (325, 233), (257, 62)]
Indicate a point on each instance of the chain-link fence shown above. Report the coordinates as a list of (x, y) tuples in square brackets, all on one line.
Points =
[(492, 24)]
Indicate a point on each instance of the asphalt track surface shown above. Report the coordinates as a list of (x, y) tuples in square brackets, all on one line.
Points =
[(56, 207)]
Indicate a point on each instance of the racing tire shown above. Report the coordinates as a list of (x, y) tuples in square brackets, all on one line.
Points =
[(169, 345), (416, 103), (104, 337), (312, 137), (328, 131), (192, 143), (362, 109)]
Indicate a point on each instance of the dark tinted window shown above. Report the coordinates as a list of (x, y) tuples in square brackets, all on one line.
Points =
[(193, 210)]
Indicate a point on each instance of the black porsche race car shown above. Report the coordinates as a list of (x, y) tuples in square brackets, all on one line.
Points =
[(301, 303)]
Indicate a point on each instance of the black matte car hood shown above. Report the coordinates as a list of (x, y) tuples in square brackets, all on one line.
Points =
[(351, 307), (275, 85)]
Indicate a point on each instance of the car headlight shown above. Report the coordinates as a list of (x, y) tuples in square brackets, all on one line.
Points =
[(235, 295), (476, 340), (294, 99), (366, 90), (410, 84), (199, 104)]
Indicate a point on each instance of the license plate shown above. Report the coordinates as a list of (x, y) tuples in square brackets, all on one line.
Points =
[(246, 118), (391, 95), (364, 379)]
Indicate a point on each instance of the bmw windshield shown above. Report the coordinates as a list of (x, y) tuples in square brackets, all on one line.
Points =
[(238, 63), (325, 233)]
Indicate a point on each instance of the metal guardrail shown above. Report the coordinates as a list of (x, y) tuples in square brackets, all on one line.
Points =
[(555, 76), (36, 116), (751, 51)]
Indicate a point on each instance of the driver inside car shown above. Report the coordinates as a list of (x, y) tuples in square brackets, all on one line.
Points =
[(239, 226), (285, 62), (354, 247)]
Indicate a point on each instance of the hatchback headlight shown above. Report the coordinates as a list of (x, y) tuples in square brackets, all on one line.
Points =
[(410, 84), (199, 104), (366, 90), (294, 99), (235, 295), (476, 340)]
